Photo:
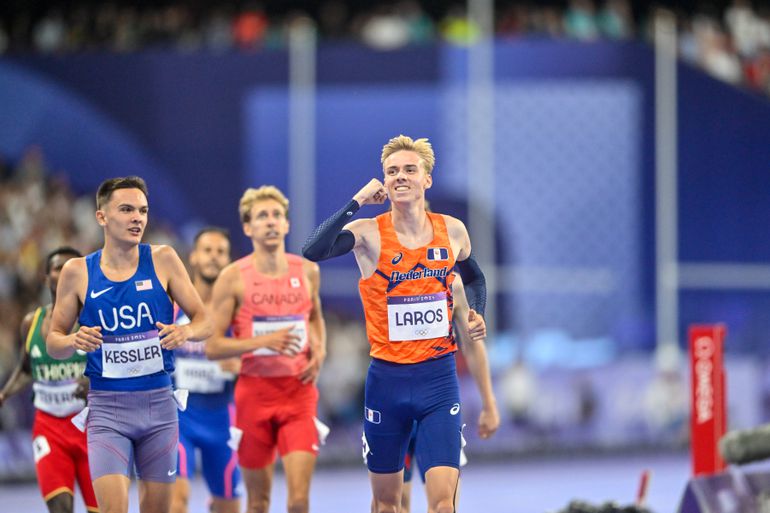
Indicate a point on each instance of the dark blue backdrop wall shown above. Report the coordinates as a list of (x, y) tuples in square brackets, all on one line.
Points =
[(575, 133)]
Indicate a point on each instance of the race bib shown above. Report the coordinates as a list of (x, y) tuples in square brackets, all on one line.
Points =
[(199, 376), (40, 447), (418, 317), (132, 355), (57, 399), (265, 325)]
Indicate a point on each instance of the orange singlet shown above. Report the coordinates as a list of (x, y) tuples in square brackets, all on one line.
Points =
[(408, 300)]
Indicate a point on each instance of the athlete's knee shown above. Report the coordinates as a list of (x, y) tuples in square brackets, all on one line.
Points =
[(386, 506), (257, 504), (298, 504), (179, 501), (442, 506), (62, 503)]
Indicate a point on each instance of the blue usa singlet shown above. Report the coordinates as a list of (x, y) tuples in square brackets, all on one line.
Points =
[(131, 357)]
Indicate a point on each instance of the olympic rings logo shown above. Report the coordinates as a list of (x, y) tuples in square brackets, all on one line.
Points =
[(422, 332)]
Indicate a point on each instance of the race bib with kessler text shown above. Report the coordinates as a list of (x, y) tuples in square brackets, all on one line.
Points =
[(420, 317), (265, 325), (132, 355)]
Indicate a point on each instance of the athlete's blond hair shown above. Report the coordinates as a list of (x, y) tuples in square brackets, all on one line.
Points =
[(420, 146), (265, 192)]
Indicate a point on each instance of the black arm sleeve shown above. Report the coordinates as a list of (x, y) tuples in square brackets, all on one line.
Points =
[(474, 282), (329, 239)]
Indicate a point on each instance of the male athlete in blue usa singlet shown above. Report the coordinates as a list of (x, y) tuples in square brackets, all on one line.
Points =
[(122, 298)]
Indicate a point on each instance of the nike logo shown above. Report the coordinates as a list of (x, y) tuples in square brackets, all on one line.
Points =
[(171, 472), (94, 294)]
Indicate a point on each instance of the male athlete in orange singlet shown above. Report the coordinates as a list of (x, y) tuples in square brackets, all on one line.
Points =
[(406, 258)]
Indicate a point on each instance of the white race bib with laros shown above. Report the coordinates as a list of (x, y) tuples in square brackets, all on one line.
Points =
[(131, 355), (419, 317), (199, 376), (57, 398), (266, 325)]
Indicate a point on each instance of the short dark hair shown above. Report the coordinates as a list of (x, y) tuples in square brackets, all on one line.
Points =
[(63, 250), (105, 190), (224, 232)]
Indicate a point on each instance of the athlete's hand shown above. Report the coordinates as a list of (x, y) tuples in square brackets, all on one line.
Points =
[(173, 335), (477, 326), (3, 397), (231, 365), (88, 339), (489, 421), (282, 341), (373, 193), (313, 368)]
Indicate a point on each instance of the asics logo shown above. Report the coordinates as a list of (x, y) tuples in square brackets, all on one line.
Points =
[(95, 294), (455, 409), (397, 258)]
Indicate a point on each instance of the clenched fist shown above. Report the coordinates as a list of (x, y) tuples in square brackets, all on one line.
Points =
[(373, 193)]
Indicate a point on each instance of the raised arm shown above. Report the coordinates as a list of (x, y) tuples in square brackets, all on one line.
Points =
[(60, 344), (225, 300), (337, 235), (317, 326), (475, 353), (180, 288)]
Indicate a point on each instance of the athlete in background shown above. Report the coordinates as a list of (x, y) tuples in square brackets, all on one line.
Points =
[(205, 424), (59, 448), (271, 299)]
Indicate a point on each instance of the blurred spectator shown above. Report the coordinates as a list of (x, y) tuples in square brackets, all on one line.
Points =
[(665, 399), (49, 34), (715, 51), (744, 27), (519, 392), (333, 19), (4, 40), (384, 29), (758, 71), (514, 21), (457, 28), (421, 27), (580, 20), (127, 37), (547, 22), (217, 34), (250, 27), (615, 20)]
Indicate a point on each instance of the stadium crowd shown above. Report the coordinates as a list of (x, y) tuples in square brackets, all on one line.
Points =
[(729, 41)]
